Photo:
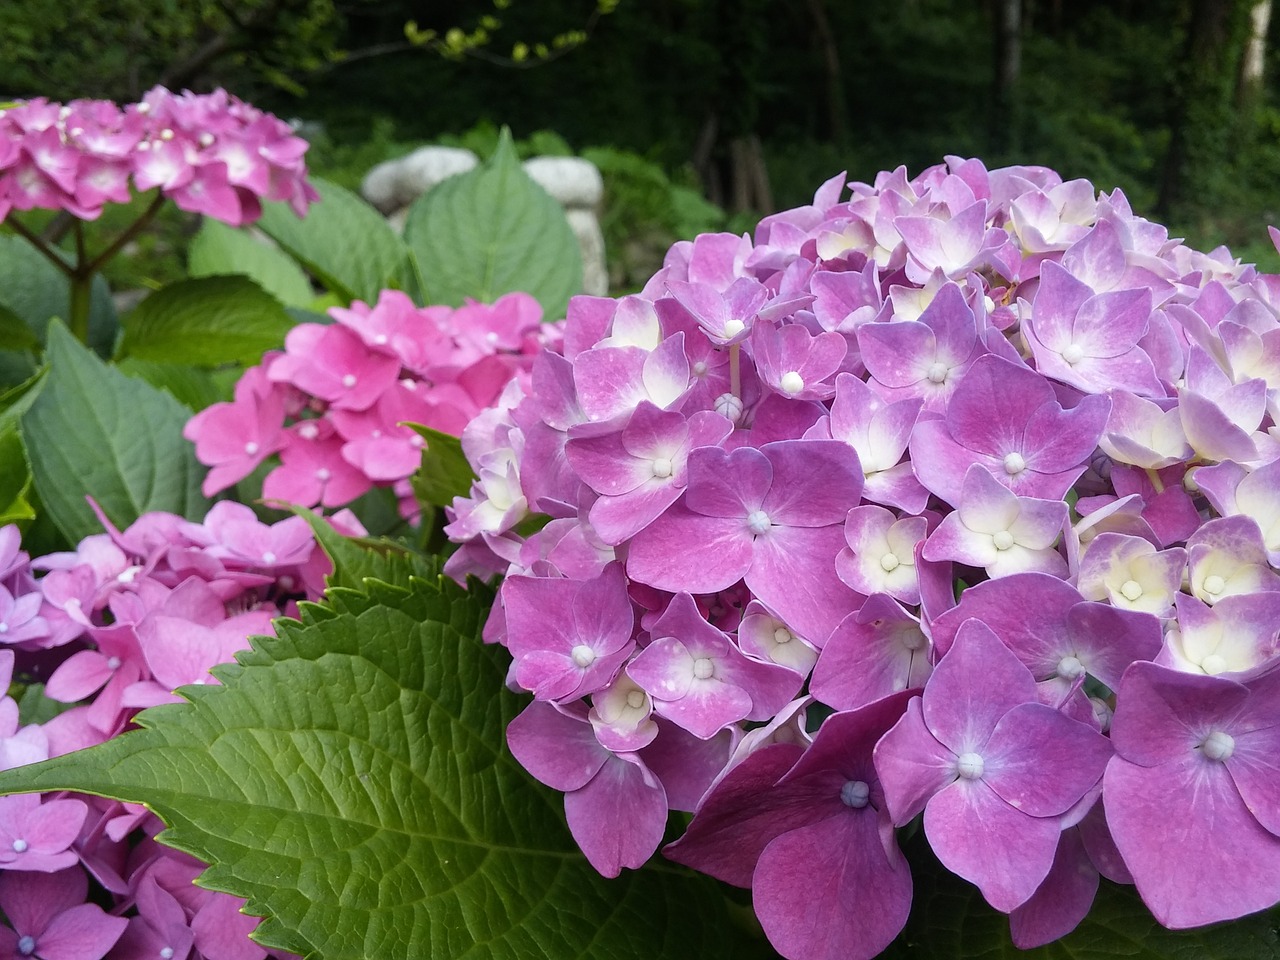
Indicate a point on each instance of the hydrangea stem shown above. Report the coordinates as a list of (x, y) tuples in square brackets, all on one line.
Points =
[(735, 373)]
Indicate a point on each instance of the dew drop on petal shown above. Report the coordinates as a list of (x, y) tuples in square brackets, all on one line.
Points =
[(661, 468), (1014, 464), (1002, 540), (1219, 745), (1069, 668), (583, 655), (1214, 584), (792, 383), (937, 372), (758, 522), (969, 766), (855, 794), (703, 668), (1131, 590), (890, 562)]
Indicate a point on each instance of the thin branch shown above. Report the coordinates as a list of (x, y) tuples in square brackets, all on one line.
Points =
[(134, 229), (47, 251)]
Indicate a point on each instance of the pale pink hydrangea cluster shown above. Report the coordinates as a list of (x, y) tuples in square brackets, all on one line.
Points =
[(110, 628), (979, 469), (208, 153), (333, 406)]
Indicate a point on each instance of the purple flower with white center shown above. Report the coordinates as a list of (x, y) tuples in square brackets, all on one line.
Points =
[(38, 836), (879, 556), (991, 767), (332, 362), (1194, 783), (569, 637), (160, 929), (1007, 418), (955, 246), (616, 808), (1235, 635), (1234, 491), (51, 920), (878, 651), (699, 680), (1056, 634), (822, 823), (1220, 417), (1131, 573), (764, 637), (1088, 340), (1054, 219), (923, 358), (20, 620), (725, 316), (879, 432), (795, 364), (1144, 433), (845, 301), (622, 716), (994, 528), (1227, 557), (612, 381), (771, 516), (641, 469)]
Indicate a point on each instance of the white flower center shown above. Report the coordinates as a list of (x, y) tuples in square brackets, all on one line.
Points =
[(4, 627), (1002, 540), (1219, 746), (700, 369), (251, 448), (1014, 464), (855, 794), (969, 766), (1073, 354), (268, 557), (323, 475), (1214, 664), (937, 372), (782, 635), (792, 383), (349, 380), (758, 522), (113, 663), (703, 668), (583, 655), (890, 562), (661, 468), (635, 699), (733, 327), (729, 407), (166, 953), (19, 846), (308, 431), (1069, 668), (1214, 584), (1131, 590)]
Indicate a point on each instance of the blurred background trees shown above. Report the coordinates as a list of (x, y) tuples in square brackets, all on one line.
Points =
[(746, 105)]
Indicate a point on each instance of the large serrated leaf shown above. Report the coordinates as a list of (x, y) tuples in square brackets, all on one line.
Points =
[(93, 431), (35, 291), (218, 249), (206, 322), (492, 231), (350, 780), (343, 242), (444, 472)]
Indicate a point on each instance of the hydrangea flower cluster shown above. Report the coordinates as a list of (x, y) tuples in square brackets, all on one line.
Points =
[(978, 468), (209, 153), (112, 627), (333, 405)]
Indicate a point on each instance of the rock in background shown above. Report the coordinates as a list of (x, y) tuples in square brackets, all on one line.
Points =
[(576, 183)]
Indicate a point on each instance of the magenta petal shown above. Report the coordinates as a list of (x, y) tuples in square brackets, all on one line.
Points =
[(912, 765), (1041, 761), (1188, 813), (978, 836), (815, 482), (793, 572), (559, 750), (84, 932), (619, 817), (683, 550), (972, 687), (833, 890), (1062, 901), (741, 815)]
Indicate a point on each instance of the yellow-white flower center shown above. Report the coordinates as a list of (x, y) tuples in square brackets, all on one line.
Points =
[(890, 562), (1014, 464), (733, 327), (661, 468), (758, 522), (792, 383), (1002, 540), (1131, 590), (1214, 584), (583, 655), (1073, 353), (1219, 746), (937, 372), (703, 668), (969, 766)]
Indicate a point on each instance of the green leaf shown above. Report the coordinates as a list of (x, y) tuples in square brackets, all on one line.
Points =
[(350, 779), (950, 921), (206, 322), (444, 473), (15, 478), (343, 242), (36, 291), (93, 431), (218, 249), (192, 387), (356, 560), (14, 332), (491, 231)]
